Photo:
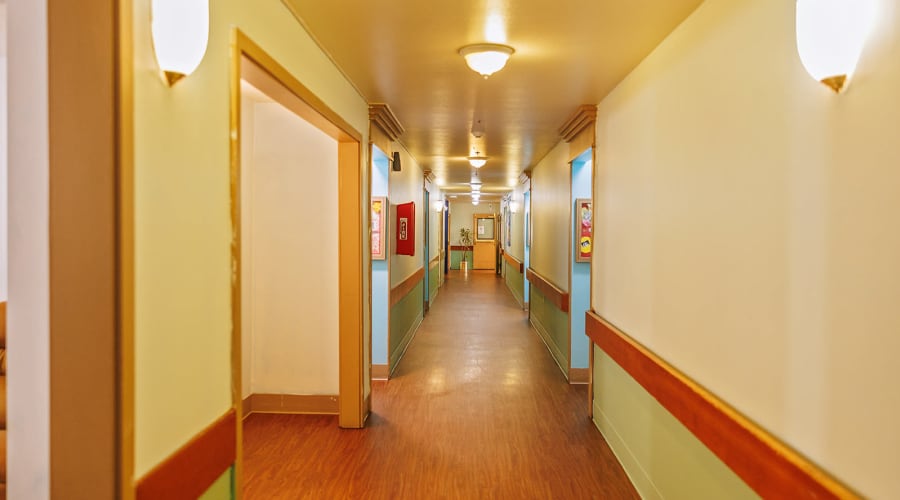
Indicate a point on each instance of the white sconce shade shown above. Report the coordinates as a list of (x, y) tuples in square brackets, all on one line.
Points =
[(477, 161), (486, 58), (180, 31), (475, 202), (514, 207), (830, 37), (438, 206)]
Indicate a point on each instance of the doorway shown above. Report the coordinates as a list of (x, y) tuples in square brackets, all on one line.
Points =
[(484, 250), (327, 226)]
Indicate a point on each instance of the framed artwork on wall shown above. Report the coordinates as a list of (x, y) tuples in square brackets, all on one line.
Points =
[(584, 230), (379, 216)]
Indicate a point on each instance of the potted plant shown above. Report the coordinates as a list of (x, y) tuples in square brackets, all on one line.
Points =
[(465, 240)]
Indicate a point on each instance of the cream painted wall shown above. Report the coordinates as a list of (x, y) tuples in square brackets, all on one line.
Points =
[(183, 228), (550, 181), (406, 186), (4, 189), (461, 213), (28, 389), (294, 274), (746, 229), (517, 231), (434, 221)]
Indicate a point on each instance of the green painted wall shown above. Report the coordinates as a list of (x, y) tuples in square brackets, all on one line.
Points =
[(406, 316), (552, 325), (515, 281), (662, 458), (456, 257), (434, 282), (222, 489)]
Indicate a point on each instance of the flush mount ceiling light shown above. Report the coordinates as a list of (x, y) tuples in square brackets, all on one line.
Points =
[(477, 161), (180, 30), (830, 37), (486, 58)]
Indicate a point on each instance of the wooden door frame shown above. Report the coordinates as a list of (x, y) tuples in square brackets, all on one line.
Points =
[(352, 406), (475, 218)]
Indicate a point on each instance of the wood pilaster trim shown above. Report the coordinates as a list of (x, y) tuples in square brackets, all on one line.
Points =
[(525, 177), (767, 465), (516, 263), (194, 467), (381, 115), (553, 293), (584, 116), (406, 286)]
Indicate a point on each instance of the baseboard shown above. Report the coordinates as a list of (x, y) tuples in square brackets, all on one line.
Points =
[(404, 344), (246, 407), (381, 372), (579, 375), (632, 467), (307, 404), (545, 337)]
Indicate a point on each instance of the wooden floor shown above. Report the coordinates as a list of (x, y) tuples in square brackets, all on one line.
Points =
[(477, 409)]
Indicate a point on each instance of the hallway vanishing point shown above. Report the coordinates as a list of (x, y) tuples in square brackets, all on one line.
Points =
[(476, 409)]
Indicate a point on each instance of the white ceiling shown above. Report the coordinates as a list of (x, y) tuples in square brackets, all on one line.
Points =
[(568, 53)]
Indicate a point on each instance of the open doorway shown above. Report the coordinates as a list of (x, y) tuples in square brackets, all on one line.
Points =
[(297, 248)]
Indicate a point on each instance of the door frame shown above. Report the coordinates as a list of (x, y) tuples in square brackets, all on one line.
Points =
[(352, 407), (475, 240)]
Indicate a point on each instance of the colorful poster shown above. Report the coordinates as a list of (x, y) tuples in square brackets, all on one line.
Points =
[(584, 240), (406, 229), (379, 205)]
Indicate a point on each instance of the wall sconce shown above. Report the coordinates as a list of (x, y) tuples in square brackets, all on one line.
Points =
[(514, 206), (486, 58), (438, 206), (830, 37), (180, 30)]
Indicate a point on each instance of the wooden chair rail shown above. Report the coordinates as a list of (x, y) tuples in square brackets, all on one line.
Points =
[(552, 292), (406, 286), (767, 465)]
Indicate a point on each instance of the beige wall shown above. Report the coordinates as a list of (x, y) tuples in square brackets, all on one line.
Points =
[(517, 231), (551, 184), (28, 396), (290, 266), (461, 213), (406, 186), (746, 229), (183, 228)]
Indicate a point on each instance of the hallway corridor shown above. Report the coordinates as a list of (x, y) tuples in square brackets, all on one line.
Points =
[(476, 409)]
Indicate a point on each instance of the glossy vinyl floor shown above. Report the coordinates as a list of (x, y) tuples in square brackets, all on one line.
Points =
[(477, 409)]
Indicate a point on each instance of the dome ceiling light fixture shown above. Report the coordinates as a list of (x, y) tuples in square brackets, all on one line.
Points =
[(486, 58), (477, 161)]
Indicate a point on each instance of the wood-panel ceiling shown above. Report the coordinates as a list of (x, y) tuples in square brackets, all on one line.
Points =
[(568, 53)]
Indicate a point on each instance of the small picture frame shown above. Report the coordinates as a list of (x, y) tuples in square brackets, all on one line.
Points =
[(584, 229), (379, 217)]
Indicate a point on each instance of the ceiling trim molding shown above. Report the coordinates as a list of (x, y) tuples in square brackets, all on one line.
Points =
[(525, 177), (584, 116), (381, 115)]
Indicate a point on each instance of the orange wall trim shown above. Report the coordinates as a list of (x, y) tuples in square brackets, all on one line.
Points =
[(293, 403), (400, 291), (191, 470), (514, 262), (460, 248), (552, 292), (767, 465), (381, 372)]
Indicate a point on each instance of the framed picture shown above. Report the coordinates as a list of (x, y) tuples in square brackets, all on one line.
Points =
[(379, 216), (584, 230)]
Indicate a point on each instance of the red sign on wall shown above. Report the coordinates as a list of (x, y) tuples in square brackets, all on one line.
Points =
[(406, 229)]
